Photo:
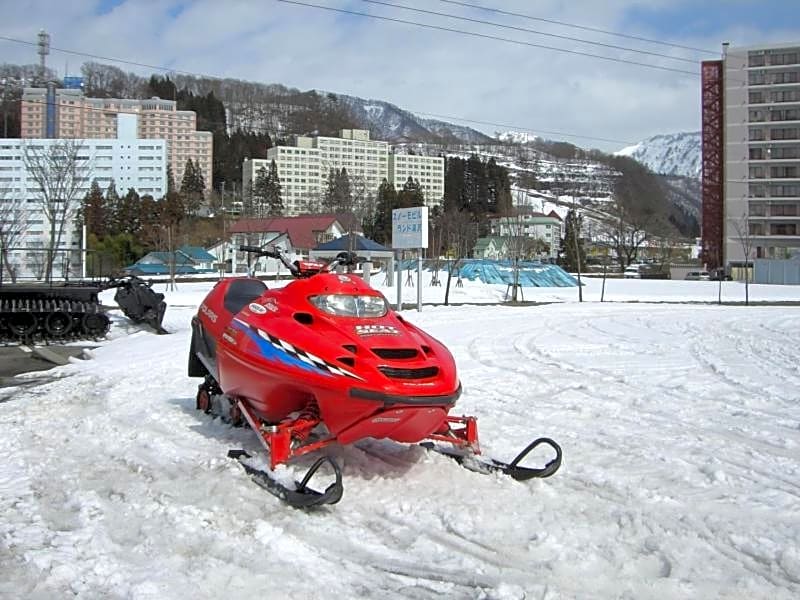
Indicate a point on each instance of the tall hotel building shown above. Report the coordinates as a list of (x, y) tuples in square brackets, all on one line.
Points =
[(68, 114), (303, 169), (130, 161), (751, 153)]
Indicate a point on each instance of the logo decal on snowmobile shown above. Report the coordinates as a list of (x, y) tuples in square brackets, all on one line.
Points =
[(344, 279), (286, 352), (257, 309), (366, 330), (271, 305), (212, 316)]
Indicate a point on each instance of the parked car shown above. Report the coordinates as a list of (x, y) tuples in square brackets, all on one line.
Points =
[(633, 272), (697, 276)]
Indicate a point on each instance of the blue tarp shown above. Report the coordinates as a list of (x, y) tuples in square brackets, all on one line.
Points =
[(531, 273)]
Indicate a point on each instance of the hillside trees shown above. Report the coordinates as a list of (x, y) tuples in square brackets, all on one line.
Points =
[(637, 210)]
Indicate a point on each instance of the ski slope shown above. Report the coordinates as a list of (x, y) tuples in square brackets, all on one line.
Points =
[(680, 425)]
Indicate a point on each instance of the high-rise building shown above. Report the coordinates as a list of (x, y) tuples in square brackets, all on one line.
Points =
[(304, 168), (129, 161), (67, 113), (751, 154)]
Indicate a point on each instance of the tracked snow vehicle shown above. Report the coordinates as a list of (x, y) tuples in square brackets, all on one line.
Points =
[(325, 360), (59, 312)]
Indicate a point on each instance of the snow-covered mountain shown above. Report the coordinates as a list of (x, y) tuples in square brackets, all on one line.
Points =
[(670, 154), (392, 123)]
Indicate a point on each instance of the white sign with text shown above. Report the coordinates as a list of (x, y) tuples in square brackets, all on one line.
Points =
[(410, 227)]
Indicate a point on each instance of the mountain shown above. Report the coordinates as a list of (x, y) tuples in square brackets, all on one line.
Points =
[(669, 154), (391, 123)]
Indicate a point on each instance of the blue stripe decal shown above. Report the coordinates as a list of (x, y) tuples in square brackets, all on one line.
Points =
[(271, 353)]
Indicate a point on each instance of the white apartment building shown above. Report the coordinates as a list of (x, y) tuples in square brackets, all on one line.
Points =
[(427, 170), (303, 169), (68, 114), (761, 174), (537, 226), (129, 161)]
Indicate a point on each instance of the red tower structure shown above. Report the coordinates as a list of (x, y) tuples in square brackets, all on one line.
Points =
[(713, 163)]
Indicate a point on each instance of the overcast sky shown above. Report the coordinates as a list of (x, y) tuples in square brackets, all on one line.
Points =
[(542, 91)]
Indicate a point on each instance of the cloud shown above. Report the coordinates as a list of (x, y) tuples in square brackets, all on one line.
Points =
[(421, 69)]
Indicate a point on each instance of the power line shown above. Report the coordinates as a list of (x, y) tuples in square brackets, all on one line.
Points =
[(487, 37), (534, 31), (520, 128), (582, 27), (204, 75)]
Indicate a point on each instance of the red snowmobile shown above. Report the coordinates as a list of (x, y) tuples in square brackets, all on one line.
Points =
[(325, 360)]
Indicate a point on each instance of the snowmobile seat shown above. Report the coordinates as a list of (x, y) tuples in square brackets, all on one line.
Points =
[(241, 292)]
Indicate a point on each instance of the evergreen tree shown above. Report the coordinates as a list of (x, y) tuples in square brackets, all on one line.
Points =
[(381, 228), (192, 187), (342, 193), (112, 207), (274, 202), (329, 198), (572, 250), (259, 194), (93, 211), (129, 211), (411, 194)]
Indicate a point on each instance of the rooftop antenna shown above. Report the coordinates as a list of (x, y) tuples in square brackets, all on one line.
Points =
[(44, 50)]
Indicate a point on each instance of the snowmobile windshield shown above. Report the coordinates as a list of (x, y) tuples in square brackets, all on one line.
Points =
[(347, 305)]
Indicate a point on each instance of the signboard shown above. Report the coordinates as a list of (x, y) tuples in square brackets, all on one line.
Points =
[(73, 83), (410, 227)]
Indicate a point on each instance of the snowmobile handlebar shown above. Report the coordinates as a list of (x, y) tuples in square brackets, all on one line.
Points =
[(296, 268)]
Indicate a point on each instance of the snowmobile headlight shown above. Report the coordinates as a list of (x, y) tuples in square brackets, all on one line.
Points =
[(348, 305)]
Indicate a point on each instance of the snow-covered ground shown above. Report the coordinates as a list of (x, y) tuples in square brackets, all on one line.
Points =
[(680, 425)]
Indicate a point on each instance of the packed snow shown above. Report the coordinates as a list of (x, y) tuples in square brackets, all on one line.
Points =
[(679, 419)]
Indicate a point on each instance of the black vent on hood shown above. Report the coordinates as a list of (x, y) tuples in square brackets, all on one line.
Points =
[(395, 353), (422, 373)]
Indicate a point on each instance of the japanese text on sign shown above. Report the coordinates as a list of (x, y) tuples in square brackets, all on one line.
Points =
[(410, 227)]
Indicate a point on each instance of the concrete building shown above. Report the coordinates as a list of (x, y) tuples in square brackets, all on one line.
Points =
[(66, 113), (427, 170), (129, 161), (304, 168), (534, 226), (751, 154)]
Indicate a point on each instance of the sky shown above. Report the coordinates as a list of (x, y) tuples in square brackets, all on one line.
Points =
[(515, 86)]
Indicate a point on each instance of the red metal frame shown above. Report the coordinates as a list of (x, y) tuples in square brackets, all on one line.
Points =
[(713, 163), (278, 439)]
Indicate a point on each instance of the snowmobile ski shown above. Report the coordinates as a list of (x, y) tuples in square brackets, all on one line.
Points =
[(302, 496), (476, 463)]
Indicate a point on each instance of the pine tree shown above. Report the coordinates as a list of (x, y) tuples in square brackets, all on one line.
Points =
[(129, 213), (112, 207), (274, 202), (192, 187), (570, 257), (342, 194), (381, 229), (260, 193), (329, 199), (411, 194), (93, 211)]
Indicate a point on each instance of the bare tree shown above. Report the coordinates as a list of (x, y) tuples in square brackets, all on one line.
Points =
[(61, 173), (745, 238), (13, 225)]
